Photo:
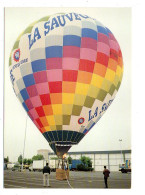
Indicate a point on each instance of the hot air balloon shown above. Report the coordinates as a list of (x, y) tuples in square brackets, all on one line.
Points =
[(66, 70)]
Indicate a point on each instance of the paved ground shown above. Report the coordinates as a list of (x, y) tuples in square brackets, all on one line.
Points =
[(15, 179)]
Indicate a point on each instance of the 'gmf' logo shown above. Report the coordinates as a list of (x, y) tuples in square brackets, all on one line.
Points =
[(17, 55)]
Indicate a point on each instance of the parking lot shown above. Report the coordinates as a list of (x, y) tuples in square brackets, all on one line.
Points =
[(26, 179)]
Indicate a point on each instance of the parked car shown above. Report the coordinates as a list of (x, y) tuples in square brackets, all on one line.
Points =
[(17, 168), (126, 167)]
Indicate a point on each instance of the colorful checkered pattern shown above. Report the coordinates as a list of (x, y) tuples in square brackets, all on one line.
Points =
[(68, 73)]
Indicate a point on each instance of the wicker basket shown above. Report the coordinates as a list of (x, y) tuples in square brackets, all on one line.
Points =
[(62, 174)]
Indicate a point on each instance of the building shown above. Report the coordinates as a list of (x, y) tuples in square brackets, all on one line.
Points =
[(111, 159), (44, 152)]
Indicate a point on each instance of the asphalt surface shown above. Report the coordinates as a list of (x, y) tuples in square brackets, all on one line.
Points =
[(26, 179)]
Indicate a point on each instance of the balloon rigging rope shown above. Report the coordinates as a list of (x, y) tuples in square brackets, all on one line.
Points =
[(67, 180)]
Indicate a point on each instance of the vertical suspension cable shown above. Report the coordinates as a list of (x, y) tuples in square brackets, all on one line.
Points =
[(24, 141)]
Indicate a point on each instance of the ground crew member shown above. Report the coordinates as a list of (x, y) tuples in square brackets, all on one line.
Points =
[(46, 173), (106, 173)]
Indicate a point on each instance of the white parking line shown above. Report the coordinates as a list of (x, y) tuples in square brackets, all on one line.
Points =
[(37, 184), (24, 182), (52, 179), (60, 183), (23, 178), (30, 178), (9, 185)]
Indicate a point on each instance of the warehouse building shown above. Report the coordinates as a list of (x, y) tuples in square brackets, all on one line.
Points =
[(111, 159), (44, 153)]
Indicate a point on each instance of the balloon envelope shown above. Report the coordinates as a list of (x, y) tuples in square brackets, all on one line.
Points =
[(66, 70)]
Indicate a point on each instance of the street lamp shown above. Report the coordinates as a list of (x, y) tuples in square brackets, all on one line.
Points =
[(48, 158), (24, 143), (120, 140)]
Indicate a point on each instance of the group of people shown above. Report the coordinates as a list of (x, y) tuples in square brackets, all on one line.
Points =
[(46, 173)]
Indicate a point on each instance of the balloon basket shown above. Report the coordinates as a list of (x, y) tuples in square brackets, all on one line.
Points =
[(62, 174)]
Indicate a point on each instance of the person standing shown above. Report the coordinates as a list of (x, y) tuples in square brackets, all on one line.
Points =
[(106, 173), (46, 173)]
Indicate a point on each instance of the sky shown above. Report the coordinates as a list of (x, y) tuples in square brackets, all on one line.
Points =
[(115, 123)]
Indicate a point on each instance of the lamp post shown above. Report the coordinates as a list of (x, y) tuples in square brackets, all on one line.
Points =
[(120, 140), (24, 143), (48, 159)]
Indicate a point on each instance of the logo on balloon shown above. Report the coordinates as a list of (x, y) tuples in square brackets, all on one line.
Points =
[(81, 120), (17, 55)]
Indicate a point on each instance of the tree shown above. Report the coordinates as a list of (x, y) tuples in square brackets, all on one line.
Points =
[(20, 159), (6, 160), (86, 161), (69, 160), (86, 164), (54, 158), (29, 161), (25, 161), (38, 157)]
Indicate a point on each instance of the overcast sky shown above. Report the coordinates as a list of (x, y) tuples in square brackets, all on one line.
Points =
[(115, 123)]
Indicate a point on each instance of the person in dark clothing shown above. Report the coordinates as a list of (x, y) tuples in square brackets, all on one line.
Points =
[(106, 173), (46, 173)]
